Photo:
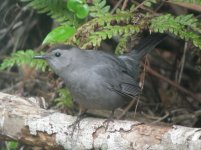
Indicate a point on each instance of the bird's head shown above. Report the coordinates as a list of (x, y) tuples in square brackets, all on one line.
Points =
[(59, 57)]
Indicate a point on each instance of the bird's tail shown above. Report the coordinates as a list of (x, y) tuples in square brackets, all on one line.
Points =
[(146, 45), (133, 58)]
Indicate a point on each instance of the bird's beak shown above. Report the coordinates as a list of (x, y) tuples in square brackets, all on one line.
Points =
[(40, 57)]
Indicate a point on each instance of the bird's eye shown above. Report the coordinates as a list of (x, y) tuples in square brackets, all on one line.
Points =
[(57, 54)]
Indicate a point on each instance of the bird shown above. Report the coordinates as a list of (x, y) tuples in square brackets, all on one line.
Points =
[(97, 79)]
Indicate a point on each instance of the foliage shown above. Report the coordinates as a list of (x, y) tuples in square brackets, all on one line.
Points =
[(110, 31), (11, 145), (122, 24), (54, 8), (121, 47), (186, 27), (59, 35), (80, 9), (64, 98), (99, 8), (24, 57), (149, 3)]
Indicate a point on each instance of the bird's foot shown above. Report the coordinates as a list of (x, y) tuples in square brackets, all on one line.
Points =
[(76, 123), (107, 122)]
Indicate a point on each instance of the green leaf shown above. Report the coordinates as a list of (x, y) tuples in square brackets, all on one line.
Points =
[(73, 4), (149, 3), (59, 35), (82, 11)]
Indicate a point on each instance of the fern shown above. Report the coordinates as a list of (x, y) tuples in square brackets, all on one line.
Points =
[(98, 29), (184, 26), (64, 98), (121, 24), (54, 8), (121, 47), (99, 8), (24, 57), (108, 32)]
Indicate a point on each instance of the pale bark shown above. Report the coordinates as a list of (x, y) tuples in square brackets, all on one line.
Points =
[(23, 120)]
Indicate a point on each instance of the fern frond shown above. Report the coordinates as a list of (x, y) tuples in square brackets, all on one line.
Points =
[(108, 32), (121, 47), (64, 98), (24, 57), (98, 29), (99, 8), (185, 26), (54, 8)]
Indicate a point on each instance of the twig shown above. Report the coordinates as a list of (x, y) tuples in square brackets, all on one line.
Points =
[(19, 84), (180, 88), (160, 119), (140, 5), (136, 106), (124, 4), (142, 84), (182, 63), (135, 98), (159, 7), (127, 108), (116, 6), (186, 5)]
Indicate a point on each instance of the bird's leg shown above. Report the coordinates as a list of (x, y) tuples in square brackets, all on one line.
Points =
[(80, 116), (109, 119)]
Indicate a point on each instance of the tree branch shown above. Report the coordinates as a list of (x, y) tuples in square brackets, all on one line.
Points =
[(24, 121)]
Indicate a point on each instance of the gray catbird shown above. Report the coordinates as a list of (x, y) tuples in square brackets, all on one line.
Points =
[(99, 80)]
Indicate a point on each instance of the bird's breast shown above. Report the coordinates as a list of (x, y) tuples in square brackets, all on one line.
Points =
[(92, 92)]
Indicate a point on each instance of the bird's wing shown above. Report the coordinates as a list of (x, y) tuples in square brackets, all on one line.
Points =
[(114, 72), (118, 80)]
